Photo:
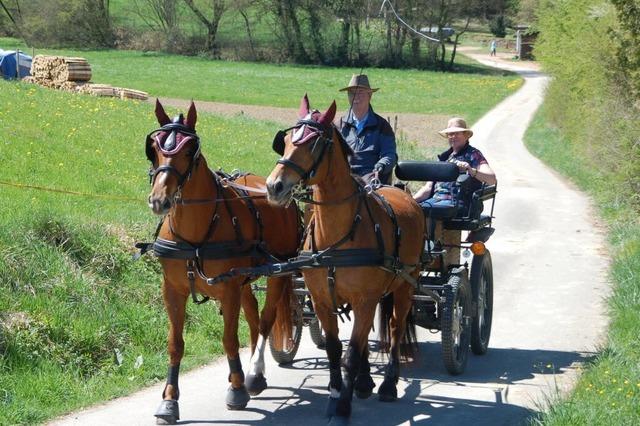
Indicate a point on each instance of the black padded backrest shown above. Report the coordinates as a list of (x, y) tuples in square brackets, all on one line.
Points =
[(437, 171)]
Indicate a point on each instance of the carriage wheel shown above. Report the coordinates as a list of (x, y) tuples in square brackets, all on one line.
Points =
[(456, 315), (482, 288), (287, 354), (317, 333)]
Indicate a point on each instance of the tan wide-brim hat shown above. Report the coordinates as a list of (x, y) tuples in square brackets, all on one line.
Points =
[(359, 81), (456, 124)]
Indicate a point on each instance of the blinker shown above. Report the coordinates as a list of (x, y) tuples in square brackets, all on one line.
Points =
[(170, 142), (278, 142)]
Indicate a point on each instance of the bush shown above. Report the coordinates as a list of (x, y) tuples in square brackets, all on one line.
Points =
[(497, 26)]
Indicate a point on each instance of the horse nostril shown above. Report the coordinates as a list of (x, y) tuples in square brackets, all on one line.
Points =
[(277, 188)]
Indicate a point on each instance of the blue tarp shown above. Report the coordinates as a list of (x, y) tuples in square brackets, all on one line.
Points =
[(8, 64)]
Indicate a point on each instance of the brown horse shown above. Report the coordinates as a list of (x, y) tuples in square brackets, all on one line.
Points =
[(364, 245), (212, 224)]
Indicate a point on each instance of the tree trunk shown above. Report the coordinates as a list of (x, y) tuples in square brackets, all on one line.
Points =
[(219, 7), (246, 23), (315, 25)]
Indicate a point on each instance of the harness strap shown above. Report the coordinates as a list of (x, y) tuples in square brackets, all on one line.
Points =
[(191, 276)]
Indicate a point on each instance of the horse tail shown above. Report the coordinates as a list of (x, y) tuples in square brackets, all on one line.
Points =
[(409, 343), (282, 329), (386, 311)]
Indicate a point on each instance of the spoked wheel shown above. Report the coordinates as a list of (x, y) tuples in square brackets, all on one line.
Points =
[(456, 314), (317, 333), (289, 346), (482, 288)]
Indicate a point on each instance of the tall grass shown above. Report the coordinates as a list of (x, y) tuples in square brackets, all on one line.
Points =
[(609, 390)]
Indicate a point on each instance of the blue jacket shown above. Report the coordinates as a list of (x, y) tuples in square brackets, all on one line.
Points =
[(374, 146)]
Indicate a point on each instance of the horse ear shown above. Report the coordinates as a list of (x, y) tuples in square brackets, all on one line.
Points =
[(304, 107), (192, 116), (327, 117), (162, 116)]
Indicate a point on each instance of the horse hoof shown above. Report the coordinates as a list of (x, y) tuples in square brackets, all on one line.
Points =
[(237, 399), (387, 392), (168, 412), (363, 386), (255, 384), (338, 421), (332, 405)]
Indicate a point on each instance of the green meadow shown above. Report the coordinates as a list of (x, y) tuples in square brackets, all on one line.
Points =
[(465, 94)]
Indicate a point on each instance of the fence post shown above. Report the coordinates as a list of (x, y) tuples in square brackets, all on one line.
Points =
[(17, 64)]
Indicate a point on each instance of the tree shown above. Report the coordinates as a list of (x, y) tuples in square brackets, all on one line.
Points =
[(13, 14), (158, 14), (218, 7), (628, 38)]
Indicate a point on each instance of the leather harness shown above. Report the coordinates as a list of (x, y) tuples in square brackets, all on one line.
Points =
[(196, 253)]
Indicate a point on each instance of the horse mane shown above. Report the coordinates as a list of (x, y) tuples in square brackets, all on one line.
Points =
[(346, 149)]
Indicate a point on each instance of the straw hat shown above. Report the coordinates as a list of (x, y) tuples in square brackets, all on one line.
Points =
[(456, 124), (360, 81)]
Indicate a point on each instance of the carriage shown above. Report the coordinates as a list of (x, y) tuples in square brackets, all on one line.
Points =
[(450, 296)]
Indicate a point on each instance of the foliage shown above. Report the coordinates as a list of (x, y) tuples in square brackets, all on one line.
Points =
[(628, 40), (608, 391), (589, 130), (593, 110), (338, 32), (497, 26), (64, 22)]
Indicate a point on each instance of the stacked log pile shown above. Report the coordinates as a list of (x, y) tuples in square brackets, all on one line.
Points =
[(74, 75)]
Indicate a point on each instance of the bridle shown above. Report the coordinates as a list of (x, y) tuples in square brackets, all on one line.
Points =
[(320, 144), (170, 147)]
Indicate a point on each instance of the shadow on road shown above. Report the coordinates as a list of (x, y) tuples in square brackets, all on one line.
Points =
[(428, 394)]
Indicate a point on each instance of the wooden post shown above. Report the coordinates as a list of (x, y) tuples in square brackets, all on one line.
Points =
[(17, 64)]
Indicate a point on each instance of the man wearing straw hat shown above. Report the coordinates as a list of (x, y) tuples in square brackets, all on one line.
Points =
[(468, 159), (369, 135)]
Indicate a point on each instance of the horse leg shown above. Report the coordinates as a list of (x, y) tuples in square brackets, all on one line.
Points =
[(388, 392), (333, 347), (237, 395), (363, 319), (278, 298), (168, 413), (250, 308), (364, 384)]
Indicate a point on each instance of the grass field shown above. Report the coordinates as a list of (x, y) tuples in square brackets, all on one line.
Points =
[(608, 393), (465, 94), (79, 321)]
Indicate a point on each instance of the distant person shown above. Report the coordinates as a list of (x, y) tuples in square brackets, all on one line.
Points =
[(369, 135), (492, 48), (468, 159)]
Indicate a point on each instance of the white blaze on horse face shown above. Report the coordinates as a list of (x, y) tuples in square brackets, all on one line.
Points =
[(256, 362)]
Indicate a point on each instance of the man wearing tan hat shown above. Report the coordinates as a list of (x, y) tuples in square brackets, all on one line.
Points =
[(369, 135), (468, 159)]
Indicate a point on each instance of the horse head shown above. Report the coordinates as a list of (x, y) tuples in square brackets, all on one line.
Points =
[(174, 151), (303, 151)]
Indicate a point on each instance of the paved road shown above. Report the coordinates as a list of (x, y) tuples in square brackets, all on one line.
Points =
[(550, 282)]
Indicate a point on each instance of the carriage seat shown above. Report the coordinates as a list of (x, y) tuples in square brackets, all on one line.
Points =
[(469, 218)]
